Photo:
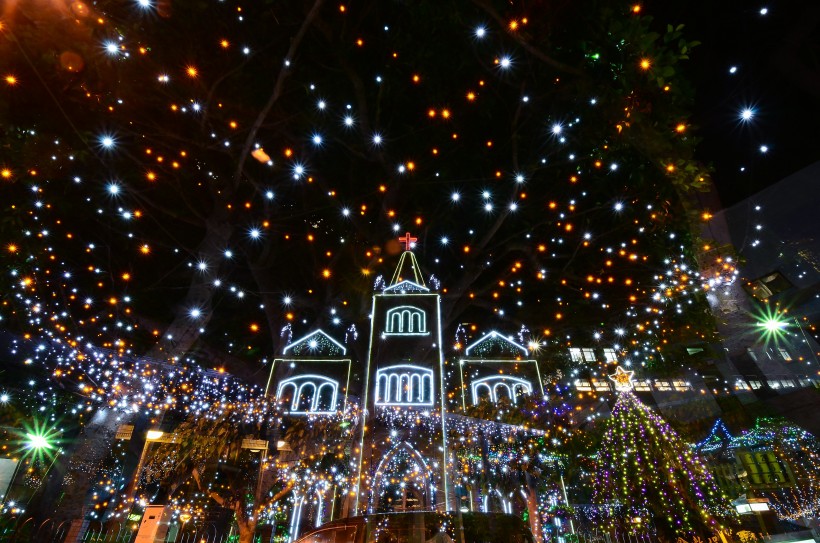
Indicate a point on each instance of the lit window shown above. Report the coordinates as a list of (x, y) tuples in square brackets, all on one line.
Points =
[(785, 354)]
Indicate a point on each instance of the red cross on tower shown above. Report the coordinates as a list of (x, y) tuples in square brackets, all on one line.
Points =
[(408, 241)]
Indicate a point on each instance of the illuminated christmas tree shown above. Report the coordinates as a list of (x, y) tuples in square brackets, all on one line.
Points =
[(648, 477)]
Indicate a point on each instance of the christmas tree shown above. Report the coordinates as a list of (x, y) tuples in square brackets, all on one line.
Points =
[(648, 476)]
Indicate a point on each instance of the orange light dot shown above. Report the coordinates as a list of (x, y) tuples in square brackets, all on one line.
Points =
[(288, 153), (470, 96), (680, 128), (636, 8), (145, 249), (151, 176), (670, 168), (360, 42), (192, 71), (11, 80), (431, 113), (342, 8), (416, 78), (254, 327), (225, 44), (5, 173), (12, 248), (326, 273), (513, 25), (445, 113), (645, 64), (411, 166), (466, 248), (233, 124)]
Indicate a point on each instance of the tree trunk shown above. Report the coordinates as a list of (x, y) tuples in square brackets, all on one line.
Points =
[(247, 530), (532, 506), (79, 472)]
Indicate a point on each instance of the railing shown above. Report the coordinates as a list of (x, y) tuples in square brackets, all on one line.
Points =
[(49, 531)]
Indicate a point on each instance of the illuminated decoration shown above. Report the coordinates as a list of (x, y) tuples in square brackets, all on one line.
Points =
[(315, 343), (412, 492), (495, 344), (308, 394), (401, 274), (404, 385), (781, 461), (622, 379), (408, 241), (645, 470), (406, 320), (404, 395), (773, 324), (405, 287), (497, 387)]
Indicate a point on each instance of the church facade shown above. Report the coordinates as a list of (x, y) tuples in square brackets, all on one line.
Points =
[(401, 458)]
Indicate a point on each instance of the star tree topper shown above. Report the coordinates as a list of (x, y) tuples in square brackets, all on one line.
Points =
[(622, 379)]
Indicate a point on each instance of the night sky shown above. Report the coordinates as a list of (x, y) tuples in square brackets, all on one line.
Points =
[(160, 176), (777, 61)]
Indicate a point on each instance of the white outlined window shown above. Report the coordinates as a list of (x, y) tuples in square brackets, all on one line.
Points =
[(404, 384), (308, 394), (785, 354), (610, 356), (496, 387), (406, 320)]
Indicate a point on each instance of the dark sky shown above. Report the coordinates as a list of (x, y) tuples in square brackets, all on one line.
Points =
[(777, 60)]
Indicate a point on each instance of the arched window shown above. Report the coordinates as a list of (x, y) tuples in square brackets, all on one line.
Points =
[(502, 390), (326, 397), (406, 320), (286, 394), (482, 392), (404, 384), (304, 401), (306, 394), (496, 387)]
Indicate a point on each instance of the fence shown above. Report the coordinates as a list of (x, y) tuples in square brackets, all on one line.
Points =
[(49, 531)]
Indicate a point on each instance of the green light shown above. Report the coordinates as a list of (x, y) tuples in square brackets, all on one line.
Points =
[(39, 440), (773, 324)]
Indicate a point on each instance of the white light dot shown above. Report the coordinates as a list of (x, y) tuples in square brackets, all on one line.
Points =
[(113, 189), (764, 11), (317, 139), (445, 241), (348, 121), (455, 197), (322, 104), (556, 129), (505, 62), (733, 70), (764, 149), (747, 114), (480, 32), (377, 139), (112, 48)]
